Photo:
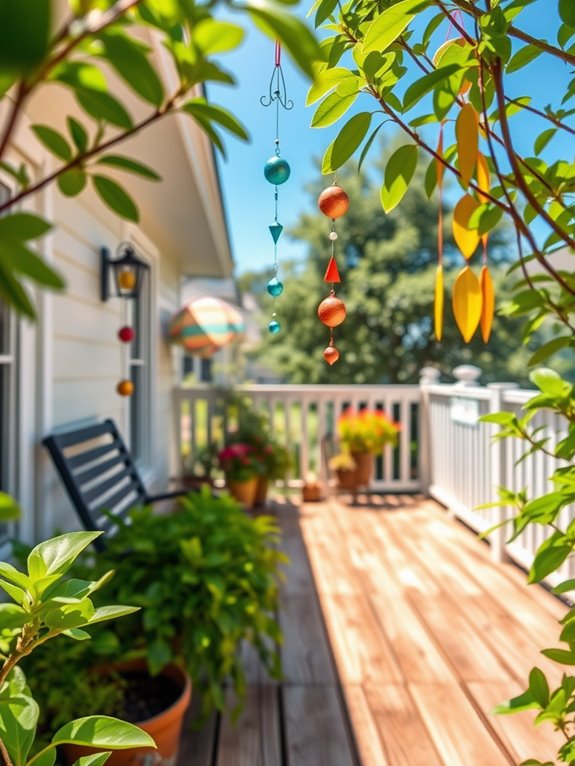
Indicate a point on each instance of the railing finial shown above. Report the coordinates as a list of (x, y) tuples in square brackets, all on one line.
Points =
[(467, 375), (429, 376)]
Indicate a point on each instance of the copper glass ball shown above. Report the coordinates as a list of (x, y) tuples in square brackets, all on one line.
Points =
[(331, 311), (331, 355), (333, 202)]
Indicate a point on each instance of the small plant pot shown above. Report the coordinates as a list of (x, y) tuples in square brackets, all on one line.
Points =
[(243, 491), (364, 468), (164, 728), (261, 491), (346, 479)]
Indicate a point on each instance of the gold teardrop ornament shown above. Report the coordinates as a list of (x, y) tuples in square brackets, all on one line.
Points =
[(438, 303), (487, 304), (467, 301), (483, 176), (467, 135), (466, 239)]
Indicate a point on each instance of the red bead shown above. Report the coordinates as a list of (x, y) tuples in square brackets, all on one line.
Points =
[(126, 334), (333, 202), (331, 355), (331, 311)]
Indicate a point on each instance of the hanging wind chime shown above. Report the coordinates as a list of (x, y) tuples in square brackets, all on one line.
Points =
[(333, 202), (276, 171), (473, 298)]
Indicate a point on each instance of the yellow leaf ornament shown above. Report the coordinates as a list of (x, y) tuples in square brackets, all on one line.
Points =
[(466, 239), (467, 302), (487, 303), (467, 135), (438, 303)]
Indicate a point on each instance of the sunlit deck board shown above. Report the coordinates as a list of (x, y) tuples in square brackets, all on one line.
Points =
[(400, 636)]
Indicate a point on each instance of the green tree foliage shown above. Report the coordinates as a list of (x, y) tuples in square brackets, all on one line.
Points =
[(387, 264)]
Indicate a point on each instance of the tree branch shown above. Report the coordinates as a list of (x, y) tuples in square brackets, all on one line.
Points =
[(539, 113), (4, 753)]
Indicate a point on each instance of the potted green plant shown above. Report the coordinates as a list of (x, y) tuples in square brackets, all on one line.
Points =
[(275, 462), (242, 467), (345, 468), (206, 579), (365, 433)]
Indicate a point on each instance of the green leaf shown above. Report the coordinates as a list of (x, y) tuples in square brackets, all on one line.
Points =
[(346, 142), (543, 139), (325, 81), (567, 12), (425, 84), (44, 758), (58, 554), (78, 133), (12, 292), (523, 701), (549, 348), (130, 165), (399, 171), (9, 508), (12, 616), (104, 732), (159, 654), (324, 11), (296, 37), (331, 109), (20, 227), (388, 25), (368, 145), (18, 720), (199, 107), (116, 198), (213, 36), (76, 634), (103, 106), (523, 57), (538, 687), (549, 557), (69, 616), (72, 182), (10, 573), (24, 34), (22, 260), (565, 587), (561, 656), (104, 613), (96, 759), (133, 66), (53, 141), (550, 382)]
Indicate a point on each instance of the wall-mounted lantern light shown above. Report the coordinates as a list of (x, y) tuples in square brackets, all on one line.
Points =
[(127, 272)]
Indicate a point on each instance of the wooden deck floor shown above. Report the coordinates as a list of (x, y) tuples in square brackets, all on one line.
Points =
[(400, 636)]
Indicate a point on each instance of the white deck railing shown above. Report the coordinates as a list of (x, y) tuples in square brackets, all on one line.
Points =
[(442, 449), (302, 417)]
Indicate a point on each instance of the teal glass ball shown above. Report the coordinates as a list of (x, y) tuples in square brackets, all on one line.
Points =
[(274, 327), (277, 171), (275, 287)]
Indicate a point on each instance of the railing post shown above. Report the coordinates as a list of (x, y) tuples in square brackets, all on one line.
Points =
[(467, 375), (498, 471), (428, 376)]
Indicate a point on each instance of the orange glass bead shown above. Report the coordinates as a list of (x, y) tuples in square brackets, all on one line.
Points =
[(127, 279), (125, 388), (331, 355), (333, 201), (331, 311)]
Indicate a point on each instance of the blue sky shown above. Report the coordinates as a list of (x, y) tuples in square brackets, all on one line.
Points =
[(249, 197)]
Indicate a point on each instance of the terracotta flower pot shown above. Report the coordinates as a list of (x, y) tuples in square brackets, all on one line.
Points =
[(261, 491), (165, 728), (243, 491), (364, 467), (346, 478)]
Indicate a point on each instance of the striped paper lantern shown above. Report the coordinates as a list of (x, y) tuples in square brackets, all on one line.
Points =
[(205, 325)]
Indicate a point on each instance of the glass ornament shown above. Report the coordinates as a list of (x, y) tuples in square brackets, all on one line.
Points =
[(331, 311), (274, 327), (277, 170), (331, 355), (275, 287), (333, 235), (125, 388), (333, 202), (126, 334)]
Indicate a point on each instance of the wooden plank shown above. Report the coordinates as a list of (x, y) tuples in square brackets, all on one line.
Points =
[(254, 740), (456, 728), (197, 746), (361, 650), (256, 673), (367, 739), (517, 731), (316, 729), (405, 738), (305, 652)]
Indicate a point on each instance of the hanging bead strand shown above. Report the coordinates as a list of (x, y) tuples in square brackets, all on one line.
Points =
[(276, 171)]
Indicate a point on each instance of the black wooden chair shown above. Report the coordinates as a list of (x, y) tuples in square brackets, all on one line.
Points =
[(100, 475)]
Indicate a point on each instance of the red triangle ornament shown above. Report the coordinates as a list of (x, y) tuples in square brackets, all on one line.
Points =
[(331, 273)]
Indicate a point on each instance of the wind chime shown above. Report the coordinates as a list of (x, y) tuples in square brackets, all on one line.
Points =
[(126, 335), (473, 298), (276, 171), (333, 202)]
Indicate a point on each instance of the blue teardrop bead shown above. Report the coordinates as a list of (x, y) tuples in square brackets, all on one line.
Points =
[(275, 287), (277, 171), (274, 327)]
